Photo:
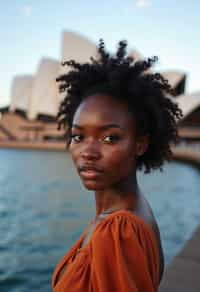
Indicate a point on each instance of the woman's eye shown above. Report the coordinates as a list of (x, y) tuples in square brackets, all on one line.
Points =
[(76, 138), (111, 139)]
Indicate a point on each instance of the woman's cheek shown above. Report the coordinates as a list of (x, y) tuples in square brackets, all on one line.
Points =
[(120, 159), (74, 151), (115, 158)]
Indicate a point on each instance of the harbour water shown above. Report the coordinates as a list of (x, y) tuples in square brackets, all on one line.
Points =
[(44, 209)]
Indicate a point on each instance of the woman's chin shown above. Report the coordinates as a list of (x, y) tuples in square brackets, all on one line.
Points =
[(92, 185)]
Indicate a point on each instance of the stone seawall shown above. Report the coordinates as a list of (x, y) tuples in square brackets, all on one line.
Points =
[(187, 154), (25, 145)]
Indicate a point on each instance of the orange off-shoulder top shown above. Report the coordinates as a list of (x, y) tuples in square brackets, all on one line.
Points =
[(122, 255)]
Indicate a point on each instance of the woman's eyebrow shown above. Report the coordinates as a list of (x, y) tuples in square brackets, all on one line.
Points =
[(103, 127)]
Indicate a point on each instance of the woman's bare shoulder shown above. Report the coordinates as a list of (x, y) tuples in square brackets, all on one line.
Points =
[(145, 212)]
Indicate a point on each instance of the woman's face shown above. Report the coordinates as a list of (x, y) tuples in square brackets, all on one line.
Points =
[(103, 143)]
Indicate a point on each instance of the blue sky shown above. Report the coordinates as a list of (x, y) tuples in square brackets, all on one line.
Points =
[(31, 29)]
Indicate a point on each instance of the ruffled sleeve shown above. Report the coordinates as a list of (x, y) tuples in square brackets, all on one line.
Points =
[(125, 256)]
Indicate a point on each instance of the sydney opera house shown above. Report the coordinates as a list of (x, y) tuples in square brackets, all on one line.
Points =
[(30, 119)]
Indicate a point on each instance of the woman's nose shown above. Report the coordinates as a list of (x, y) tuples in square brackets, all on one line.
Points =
[(91, 151)]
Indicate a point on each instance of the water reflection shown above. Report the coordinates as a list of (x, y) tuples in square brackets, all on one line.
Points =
[(44, 209)]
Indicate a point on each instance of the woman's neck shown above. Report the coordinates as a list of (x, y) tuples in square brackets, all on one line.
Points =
[(120, 196)]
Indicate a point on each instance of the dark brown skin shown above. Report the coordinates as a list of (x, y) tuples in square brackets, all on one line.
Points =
[(104, 148), (104, 138)]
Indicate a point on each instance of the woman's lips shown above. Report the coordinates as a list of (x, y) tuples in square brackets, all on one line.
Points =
[(90, 174), (89, 171)]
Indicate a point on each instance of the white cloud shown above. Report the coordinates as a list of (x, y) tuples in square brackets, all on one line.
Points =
[(142, 3), (27, 10)]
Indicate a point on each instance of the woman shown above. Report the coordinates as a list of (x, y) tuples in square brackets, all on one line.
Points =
[(119, 119)]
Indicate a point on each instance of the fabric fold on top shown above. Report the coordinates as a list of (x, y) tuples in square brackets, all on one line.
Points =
[(121, 255)]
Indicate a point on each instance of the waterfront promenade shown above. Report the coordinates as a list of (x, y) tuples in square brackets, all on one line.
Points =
[(183, 272)]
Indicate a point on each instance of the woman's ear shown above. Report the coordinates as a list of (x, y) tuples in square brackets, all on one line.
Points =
[(142, 144)]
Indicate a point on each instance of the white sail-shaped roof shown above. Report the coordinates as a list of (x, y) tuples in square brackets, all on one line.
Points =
[(21, 91), (77, 47), (174, 77), (45, 98), (188, 102)]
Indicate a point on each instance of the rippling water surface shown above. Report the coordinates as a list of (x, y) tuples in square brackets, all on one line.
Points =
[(44, 209)]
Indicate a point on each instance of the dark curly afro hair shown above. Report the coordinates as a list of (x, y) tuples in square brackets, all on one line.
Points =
[(147, 94)]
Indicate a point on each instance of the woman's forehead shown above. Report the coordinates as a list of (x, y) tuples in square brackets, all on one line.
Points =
[(103, 109)]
